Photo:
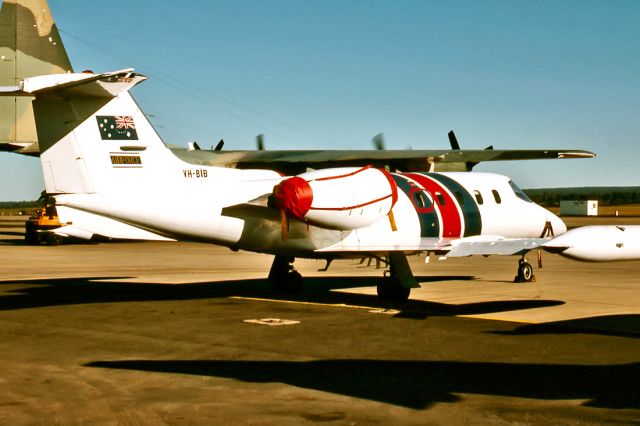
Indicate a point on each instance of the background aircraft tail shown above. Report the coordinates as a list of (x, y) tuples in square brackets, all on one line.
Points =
[(30, 45)]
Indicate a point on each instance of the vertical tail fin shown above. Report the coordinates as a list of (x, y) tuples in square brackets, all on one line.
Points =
[(101, 155), (30, 45), (93, 136)]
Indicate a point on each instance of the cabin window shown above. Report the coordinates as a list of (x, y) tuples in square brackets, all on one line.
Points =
[(460, 198), (478, 196), (519, 192), (440, 198), (422, 200), (496, 196)]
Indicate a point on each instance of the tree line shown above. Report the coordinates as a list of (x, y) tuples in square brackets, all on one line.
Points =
[(606, 196), (21, 204)]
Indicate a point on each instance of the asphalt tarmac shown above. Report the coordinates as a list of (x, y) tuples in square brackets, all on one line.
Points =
[(153, 333)]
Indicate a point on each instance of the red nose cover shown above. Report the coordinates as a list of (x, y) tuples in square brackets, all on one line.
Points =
[(294, 196)]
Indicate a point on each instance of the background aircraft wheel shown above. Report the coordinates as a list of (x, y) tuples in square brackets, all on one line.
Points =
[(31, 238), (53, 239), (390, 289), (525, 272)]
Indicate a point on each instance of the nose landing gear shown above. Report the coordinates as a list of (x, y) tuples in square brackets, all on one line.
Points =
[(525, 272)]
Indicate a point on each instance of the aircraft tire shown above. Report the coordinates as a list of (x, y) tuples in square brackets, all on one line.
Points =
[(525, 272)]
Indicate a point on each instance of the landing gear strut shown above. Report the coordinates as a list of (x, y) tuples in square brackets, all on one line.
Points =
[(398, 284), (525, 272), (283, 275)]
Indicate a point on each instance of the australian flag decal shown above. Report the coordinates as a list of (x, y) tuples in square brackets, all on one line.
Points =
[(117, 127)]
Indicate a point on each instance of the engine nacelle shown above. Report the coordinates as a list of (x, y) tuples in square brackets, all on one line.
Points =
[(343, 198), (598, 243)]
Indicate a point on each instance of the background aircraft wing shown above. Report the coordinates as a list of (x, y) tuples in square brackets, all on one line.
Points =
[(292, 162)]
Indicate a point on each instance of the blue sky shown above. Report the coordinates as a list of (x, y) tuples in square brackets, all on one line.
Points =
[(332, 74)]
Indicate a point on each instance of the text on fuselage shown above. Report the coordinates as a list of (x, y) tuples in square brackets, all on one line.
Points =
[(195, 173)]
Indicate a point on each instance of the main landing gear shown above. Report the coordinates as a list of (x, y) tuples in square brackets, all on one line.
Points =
[(283, 275), (400, 280), (525, 272), (396, 285)]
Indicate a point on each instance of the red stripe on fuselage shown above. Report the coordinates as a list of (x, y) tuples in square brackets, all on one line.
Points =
[(451, 215)]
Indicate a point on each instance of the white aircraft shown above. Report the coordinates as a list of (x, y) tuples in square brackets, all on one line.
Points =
[(101, 156)]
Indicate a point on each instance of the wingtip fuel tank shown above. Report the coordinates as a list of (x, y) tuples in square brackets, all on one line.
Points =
[(600, 243)]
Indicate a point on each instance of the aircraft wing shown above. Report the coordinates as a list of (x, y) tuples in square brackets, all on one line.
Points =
[(488, 245), (422, 244), (297, 161), (461, 247)]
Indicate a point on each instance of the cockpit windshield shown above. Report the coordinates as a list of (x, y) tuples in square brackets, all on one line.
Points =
[(519, 192)]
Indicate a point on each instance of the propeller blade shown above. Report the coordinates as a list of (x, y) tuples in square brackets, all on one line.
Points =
[(453, 141), (378, 142), (260, 142)]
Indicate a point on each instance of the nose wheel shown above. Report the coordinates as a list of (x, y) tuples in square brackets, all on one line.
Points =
[(525, 272)]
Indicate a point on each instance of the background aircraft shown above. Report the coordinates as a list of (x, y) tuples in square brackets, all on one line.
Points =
[(29, 45)]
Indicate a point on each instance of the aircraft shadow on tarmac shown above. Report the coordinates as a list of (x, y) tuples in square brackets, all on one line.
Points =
[(418, 384), (69, 291), (607, 325)]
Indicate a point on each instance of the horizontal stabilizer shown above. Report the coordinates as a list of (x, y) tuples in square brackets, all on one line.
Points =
[(73, 232), (80, 84), (84, 225)]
